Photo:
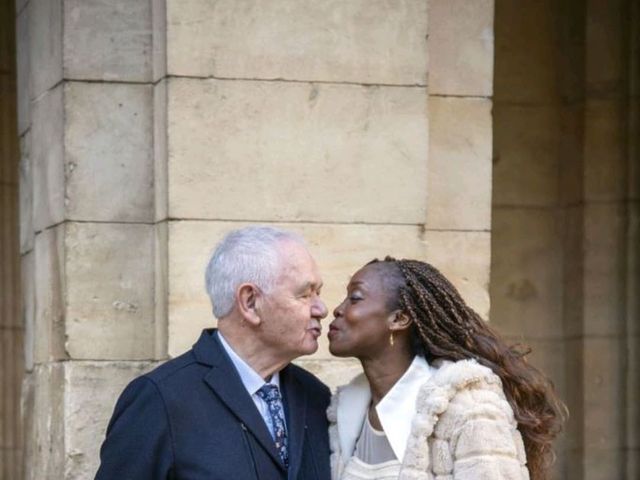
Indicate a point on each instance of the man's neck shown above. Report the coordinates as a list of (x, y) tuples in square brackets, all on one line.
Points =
[(256, 355)]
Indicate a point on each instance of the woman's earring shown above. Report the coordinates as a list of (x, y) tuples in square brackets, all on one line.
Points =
[(391, 339)]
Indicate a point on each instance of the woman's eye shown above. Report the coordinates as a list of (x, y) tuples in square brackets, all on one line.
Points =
[(354, 299)]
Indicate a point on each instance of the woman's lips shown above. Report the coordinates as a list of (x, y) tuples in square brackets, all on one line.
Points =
[(332, 331)]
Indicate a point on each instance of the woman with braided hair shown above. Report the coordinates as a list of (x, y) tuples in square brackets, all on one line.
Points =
[(442, 396)]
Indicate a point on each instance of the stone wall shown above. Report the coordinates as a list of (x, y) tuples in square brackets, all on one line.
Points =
[(148, 129)]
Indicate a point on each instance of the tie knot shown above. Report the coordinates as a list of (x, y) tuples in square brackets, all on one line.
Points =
[(269, 393)]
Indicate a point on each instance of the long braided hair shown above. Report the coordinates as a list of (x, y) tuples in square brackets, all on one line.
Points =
[(445, 327)]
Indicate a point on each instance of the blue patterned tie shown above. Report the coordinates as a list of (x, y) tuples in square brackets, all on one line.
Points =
[(271, 395)]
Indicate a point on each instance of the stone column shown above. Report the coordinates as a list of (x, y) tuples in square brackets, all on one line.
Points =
[(87, 226)]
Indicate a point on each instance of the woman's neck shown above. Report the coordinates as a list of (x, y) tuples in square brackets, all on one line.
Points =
[(383, 373)]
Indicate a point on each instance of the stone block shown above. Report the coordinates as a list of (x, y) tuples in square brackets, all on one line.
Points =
[(108, 40), (47, 158), (526, 165), (109, 152), (549, 356), (8, 136), (275, 150), (28, 293), (43, 407), (571, 153), (159, 40), (9, 259), (161, 288), (87, 414), (27, 233), (359, 41), (23, 74), (605, 150), (340, 251), (573, 267), (461, 47), (527, 273), (603, 463), (465, 259), (110, 291), (633, 268), (45, 46), (525, 27), (20, 5), (333, 373), (604, 269), (49, 295), (160, 154), (459, 165)]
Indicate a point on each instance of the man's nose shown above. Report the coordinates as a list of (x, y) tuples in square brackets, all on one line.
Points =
[(319, 309)]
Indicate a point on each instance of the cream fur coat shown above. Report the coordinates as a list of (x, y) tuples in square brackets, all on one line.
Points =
[(461, 426)]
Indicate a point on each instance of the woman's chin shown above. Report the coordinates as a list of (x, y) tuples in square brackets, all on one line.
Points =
[(336, 351)]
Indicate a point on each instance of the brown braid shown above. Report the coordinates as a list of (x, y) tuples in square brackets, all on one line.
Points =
[(445, 327)]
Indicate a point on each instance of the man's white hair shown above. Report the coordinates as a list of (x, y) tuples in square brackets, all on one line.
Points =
[(248, 255)]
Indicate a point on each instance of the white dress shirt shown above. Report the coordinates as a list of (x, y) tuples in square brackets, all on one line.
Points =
[(252, 381)]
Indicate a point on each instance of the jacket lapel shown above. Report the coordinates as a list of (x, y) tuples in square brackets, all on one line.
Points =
[(225, 382), (296, 402)]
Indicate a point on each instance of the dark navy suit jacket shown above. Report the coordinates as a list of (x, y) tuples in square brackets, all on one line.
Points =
[(192, 419)]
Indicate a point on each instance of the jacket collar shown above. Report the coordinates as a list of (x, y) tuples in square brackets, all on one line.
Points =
[(395, 410)]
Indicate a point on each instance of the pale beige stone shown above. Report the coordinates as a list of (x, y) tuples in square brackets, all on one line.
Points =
[(605, 150), (27, 233), (526, 157), (459, 166), (43, 404), (465, 259), (87, 414), (47, 159), (340, 251), (23, 74), (45, 47), (333, 373), (159, 40), (28, 295), (108, 152), (110, 291), (160, 166), (160, 290), (361, 41), (461, 47), (108, 40), (604, 269), (525, 27), (293, 151), (527, 273), (49, 295)]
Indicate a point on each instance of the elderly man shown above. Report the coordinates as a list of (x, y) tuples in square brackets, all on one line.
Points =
[(233, 407)]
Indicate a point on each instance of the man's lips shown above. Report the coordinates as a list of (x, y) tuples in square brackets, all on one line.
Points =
[(316, 331)]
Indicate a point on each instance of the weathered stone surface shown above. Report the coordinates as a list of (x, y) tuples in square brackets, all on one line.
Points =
[(332, 372), (160, 166), (159, 40), (108, 152), (291, 151), (23, 74), (527, 273), (526, 163), (27, 233), (459, 166), (107, 40), (604, 270), (28, 294), (605, 150), (461, 47), (340, 251), (109, 296), (47, 159), (161, 288), (361, 41), (45, 33), (87, 414), (50, 295), (464, 258), (43, 404), (571, 155), (525, 27)]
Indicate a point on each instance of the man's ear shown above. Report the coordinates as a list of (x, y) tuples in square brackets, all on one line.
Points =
[(398, 321), (246, 299)]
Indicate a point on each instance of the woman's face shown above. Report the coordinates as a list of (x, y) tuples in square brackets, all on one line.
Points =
[(361, 325)]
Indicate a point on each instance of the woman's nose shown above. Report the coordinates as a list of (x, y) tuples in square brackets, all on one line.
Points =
[(337, 312)]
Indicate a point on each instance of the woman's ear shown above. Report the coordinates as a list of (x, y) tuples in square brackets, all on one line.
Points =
[(399, 321), (247, 298)]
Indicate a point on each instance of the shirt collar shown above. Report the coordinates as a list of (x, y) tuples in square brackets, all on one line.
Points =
[(251, 380)]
